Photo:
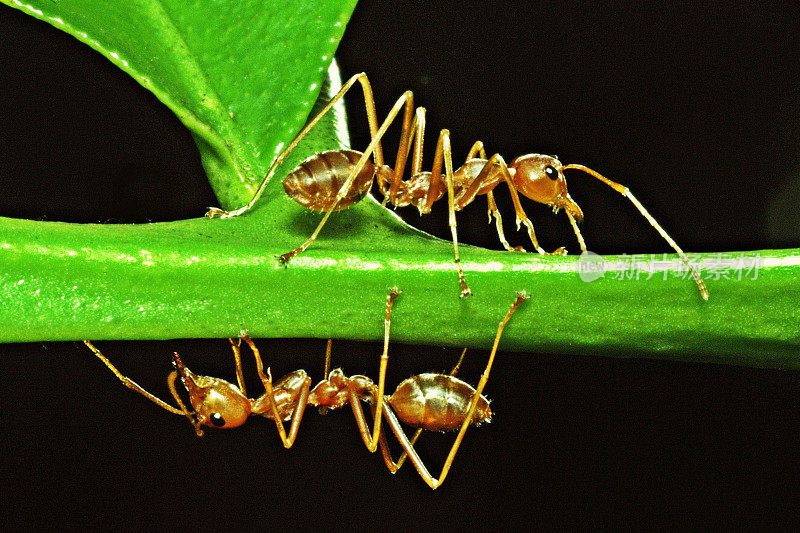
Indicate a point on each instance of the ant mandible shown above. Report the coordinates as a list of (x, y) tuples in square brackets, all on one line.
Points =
[(335, 180), (434, 402)]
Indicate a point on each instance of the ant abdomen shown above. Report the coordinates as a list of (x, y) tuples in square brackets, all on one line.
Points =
[(437, 402), (315, 183)]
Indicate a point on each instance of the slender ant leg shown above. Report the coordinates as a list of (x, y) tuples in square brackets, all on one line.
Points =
[(328, 347), (237, 356), (448, 165), (522, 218), (417, 131), (444, 155), (479, 150), (371, 442), (128, 382), (577, 232), (297, 415), (323, 410), (455, 369), (498, 222)]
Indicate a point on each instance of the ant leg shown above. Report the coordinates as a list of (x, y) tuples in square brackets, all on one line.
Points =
[(478, 149), (300, 408), (132, 384), (407, 132), (401, 436), (372, 118), (416, 130), (354, 390), (485, 179), (407, 100), (323, 410), (444, 155), (448, 165), (521, 297), (237, 356), (328, 358), (499, 224), (387, 454), (454, 371), (624, 191)]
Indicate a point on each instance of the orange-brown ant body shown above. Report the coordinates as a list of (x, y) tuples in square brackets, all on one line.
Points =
[(335, 180), (435, 402)]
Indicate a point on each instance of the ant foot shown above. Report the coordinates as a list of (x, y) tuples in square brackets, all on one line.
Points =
[(518, 249), (559, 251), (221, 213), (283, 259), (465, 292), (217, 212)]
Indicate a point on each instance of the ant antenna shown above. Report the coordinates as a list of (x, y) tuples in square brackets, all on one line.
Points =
[(624, 191)]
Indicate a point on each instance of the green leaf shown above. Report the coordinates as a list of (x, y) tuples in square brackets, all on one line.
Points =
[(244, 92), (242, 89)]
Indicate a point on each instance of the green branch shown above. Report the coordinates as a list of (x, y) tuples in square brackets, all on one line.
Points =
[(212, 278)]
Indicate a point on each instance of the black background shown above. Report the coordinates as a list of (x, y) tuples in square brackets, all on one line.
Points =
[(695, 107)]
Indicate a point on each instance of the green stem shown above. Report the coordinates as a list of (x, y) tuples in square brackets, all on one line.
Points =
[(214, 278)]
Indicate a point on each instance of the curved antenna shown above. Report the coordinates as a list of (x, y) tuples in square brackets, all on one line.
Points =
[(128, 382), (624, 191)]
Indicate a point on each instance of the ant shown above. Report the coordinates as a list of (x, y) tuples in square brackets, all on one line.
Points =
[(335, 180), (434, 402)]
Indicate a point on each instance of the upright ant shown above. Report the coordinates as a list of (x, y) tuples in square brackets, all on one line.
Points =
[(335, 180), (434, 402)]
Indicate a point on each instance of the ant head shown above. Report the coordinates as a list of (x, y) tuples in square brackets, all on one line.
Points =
[(541, 178), (216, 402)]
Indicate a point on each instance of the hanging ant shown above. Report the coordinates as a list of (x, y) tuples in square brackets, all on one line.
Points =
[(433, 402), (335, 180)]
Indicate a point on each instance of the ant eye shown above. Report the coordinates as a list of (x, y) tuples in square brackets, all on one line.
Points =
[(217, 420), (551, 172)]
